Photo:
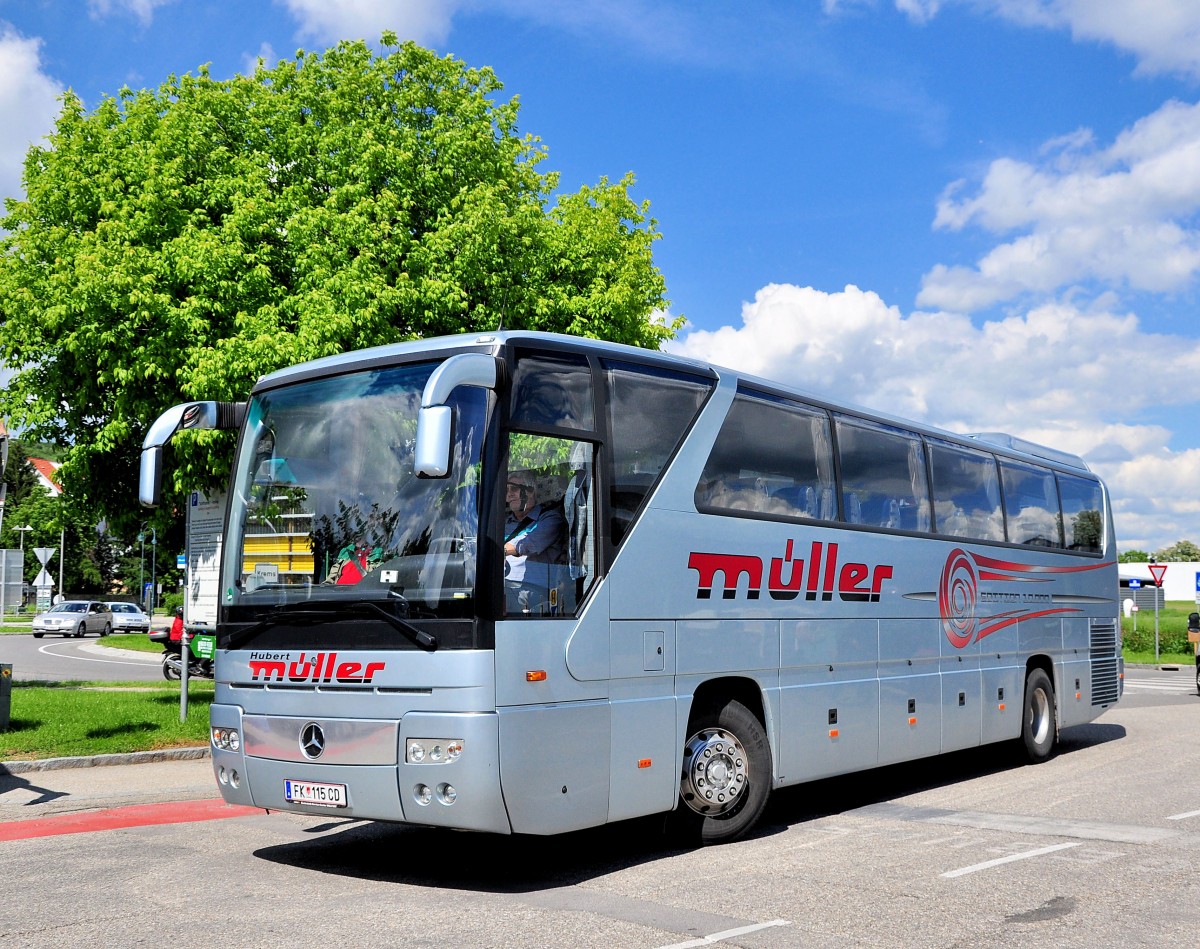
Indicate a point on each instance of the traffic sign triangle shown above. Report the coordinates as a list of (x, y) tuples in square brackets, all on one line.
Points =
[(1157, 570)]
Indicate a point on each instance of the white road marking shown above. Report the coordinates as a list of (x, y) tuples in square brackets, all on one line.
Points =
[(727, 934), (45, 650), (1184, 816), (1028, 854)]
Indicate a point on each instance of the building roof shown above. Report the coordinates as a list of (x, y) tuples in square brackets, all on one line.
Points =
[(47, 472)]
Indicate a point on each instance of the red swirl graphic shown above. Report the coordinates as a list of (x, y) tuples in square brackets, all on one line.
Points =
[(957, 595)]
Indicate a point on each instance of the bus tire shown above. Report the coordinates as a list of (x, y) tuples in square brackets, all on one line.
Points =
[(1039, 729), (726, 775)]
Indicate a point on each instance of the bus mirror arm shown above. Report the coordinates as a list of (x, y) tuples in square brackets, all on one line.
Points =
[(435, 419), (189, 415)]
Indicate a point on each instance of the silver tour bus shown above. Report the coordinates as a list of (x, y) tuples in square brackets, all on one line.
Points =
[(526, 583)]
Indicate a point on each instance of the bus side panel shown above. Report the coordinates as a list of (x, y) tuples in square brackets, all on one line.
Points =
[(910, 690), (554, 766), (828, 729), (1003, 673), (829, 697), (962, 695), (1075, 679), (645, 779), (727, 646), (1041, 636)]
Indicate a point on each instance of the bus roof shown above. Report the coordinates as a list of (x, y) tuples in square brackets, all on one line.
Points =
[(494, 343)]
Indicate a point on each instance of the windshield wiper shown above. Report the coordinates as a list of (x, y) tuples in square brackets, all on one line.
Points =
[(310, 615)]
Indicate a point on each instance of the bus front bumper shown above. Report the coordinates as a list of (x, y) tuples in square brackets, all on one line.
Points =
[(405, 771)]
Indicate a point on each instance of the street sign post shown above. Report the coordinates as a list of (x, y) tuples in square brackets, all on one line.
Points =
[(1157, 570)]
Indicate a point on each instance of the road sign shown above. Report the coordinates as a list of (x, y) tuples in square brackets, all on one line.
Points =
[(1136, 584), (181, 560), (1157, 570)]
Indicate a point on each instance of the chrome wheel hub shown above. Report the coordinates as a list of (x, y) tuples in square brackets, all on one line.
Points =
[(715, 771)]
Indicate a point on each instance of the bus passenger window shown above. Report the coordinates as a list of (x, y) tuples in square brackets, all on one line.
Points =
[(771, 458), (883, 476), (1031, 505), (649, 412), (966, 492), (1083, 513)]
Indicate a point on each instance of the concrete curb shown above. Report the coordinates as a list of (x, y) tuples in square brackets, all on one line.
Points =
[(100, 761)]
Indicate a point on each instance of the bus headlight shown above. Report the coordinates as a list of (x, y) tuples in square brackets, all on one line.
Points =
[(226, 739), (433, 750)]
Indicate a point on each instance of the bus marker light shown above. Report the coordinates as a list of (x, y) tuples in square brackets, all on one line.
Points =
[(912, 720), (535, 675), (1078, 696), (1001, 706), (833, 733), (645, 762)]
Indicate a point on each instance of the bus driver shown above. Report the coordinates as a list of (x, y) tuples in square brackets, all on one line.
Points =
[(535, 537)]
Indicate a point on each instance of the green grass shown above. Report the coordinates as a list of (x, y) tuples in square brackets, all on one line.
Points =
[(66, 719)]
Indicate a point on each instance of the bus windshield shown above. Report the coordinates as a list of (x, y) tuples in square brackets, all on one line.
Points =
[(326, 513)]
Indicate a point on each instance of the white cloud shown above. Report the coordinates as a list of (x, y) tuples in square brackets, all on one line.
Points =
[(141, 10), (28, 104), (1122, 216), (425, 21), (1050, 375), (1163, 35)]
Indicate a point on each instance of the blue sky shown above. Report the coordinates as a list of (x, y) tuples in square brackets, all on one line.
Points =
[(979, 213)]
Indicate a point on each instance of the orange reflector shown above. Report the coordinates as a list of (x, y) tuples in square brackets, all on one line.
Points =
[(644, 762), (913, 720), (1078, 696), (535, 675), (833, 733), (1002, 706)]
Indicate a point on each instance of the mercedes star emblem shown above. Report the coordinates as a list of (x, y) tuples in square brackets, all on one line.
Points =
[(312, 740)]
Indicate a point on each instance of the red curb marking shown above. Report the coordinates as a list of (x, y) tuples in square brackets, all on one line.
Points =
[(135, 815)]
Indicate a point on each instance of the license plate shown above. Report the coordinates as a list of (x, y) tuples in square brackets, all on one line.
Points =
[(314, 792)]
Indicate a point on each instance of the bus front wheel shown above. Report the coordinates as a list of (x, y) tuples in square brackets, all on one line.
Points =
[(726, 776), (1039, 729)]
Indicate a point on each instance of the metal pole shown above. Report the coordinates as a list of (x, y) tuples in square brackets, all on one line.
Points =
[(142, 567), (62, 556), (153, 558), (184, 661)]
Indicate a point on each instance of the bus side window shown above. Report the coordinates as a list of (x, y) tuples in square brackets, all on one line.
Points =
[(649, 413), (1031, 505), (1082, 513), (966, 492), (772, 457), (883, 476)]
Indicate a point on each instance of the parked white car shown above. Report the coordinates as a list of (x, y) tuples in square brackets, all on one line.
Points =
[(129, 618), (74, 618)]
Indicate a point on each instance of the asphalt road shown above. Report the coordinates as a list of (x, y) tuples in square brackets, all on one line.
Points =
[(56, 659), (1098, 847)]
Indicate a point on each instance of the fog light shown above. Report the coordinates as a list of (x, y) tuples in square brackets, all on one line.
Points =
[(447, 794), (423, 794), (222, 776), (235, 779)]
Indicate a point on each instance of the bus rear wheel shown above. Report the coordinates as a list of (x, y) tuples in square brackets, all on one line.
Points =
[(726, 776), (1039, 729)]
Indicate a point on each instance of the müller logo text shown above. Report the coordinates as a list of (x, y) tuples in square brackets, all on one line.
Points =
[(817, 576), (315, 668)]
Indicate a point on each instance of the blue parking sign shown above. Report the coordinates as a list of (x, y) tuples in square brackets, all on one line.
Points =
[(1136, 584)]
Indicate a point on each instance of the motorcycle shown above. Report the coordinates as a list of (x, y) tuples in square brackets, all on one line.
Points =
[(201, 649)]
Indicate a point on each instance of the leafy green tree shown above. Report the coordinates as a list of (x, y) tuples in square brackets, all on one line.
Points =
[(178, 243), (1183, 550), (1134, 556)]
